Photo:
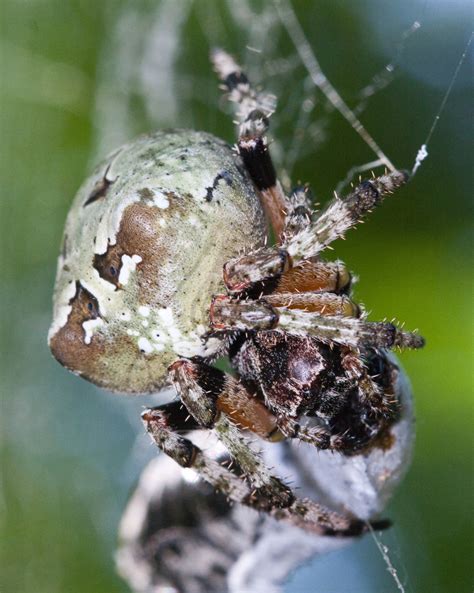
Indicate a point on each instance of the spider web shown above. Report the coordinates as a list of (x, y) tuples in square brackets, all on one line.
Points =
[(147, 81), (163, 93)]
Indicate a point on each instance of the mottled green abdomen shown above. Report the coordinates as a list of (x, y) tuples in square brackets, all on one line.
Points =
[(144, 245)]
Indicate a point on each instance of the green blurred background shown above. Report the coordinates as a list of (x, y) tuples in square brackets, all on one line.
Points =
[(74, 83)]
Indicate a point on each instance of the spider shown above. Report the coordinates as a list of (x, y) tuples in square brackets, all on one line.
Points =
[(165, 267)]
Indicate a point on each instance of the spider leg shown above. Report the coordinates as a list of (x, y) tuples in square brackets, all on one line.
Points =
[(175, 416), (380, 403), (345, 331), (318, 436), (255, 269), (303, 513), (218, 401), (341, 215), (165, 434), (313, 275), (299, 212), (253, 112), (230, 315), (323, 303), (226, 314), (228, 406), (272, 269)]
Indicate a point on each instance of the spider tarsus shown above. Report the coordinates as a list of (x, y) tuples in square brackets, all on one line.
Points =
[(357, 527), (409, 340)]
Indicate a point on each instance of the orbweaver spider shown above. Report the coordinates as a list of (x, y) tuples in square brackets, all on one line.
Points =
[(141, 301)]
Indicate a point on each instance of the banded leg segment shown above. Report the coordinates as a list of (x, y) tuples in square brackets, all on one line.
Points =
[(253, 112), (345, 331), (208, 392), (255, 270), (273, 268), (379, 402), (188, 455), (341, 215), (174, 416), (323, 303), (252, 109), (264, 491), (295, 317), (303, 513), (227, 314), (312, 276), (299, 213)]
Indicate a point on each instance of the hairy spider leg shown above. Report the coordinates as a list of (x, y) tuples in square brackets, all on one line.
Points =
[(312, 286), (174, 414), (315, 275), (340, 215), (273, 268), (227, 314), (324, 303), (231, 315), (303, 513), (380, 402), (346, 331), (278, 263), (255, 269), (253, 110), (299, 213), (197, 382)]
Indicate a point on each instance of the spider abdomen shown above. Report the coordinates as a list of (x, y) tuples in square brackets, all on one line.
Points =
[(144, 245)]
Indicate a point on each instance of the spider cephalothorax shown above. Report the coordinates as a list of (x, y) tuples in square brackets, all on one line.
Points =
[(165, 267)]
